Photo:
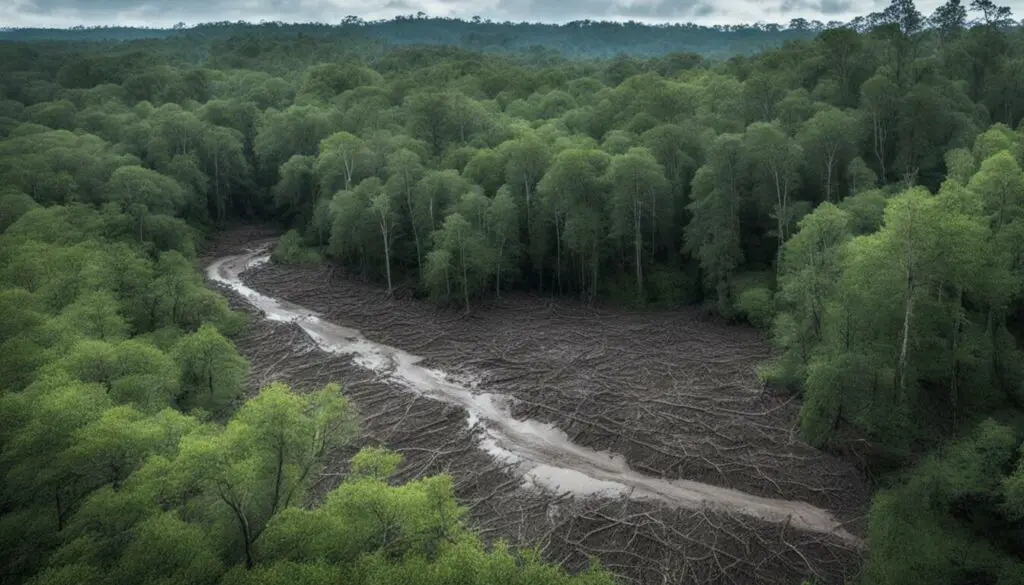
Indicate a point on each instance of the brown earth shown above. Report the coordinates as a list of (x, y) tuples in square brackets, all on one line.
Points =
[(672, 391)]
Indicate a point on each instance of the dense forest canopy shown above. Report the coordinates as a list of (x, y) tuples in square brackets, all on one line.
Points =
[(856, 191), (579, 38)]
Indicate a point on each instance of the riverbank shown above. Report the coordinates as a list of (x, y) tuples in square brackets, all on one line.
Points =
[(562, 364)]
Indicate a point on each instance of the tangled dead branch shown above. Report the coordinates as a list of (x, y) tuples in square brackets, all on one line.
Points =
[(673, 392)]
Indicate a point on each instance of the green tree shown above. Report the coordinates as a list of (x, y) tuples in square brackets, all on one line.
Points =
[(297, 190), (341, 161), (776, 160), (434, 193), (139, 191), (14, 204), (717, 197), (842, 48), (354, 223), (878, 103), (829, 138), (503, 229), (811, 264), (263, 460), (95, 315), (574, 190), (950, 18), (404, 170), (212, 372), (528, 158), (461, 256), (167, 549), (223, 158), (487, 169), (386, 219), (638, 184)]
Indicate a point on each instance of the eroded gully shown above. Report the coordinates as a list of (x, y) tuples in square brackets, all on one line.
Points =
[(542, 453)]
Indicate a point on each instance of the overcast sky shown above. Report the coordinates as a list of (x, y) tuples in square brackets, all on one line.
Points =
[(158, 13)]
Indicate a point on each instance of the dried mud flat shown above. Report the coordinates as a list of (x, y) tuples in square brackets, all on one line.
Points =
[(673, 393)]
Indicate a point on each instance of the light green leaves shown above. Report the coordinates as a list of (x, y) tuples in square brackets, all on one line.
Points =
[(212, 372)]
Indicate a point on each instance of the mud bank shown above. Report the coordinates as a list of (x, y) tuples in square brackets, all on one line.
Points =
[(532, 482)]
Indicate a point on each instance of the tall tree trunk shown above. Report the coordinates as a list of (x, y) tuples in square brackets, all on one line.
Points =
[(387, 251), (526, 186), (243, 524), (780, 213), (879, 144), (415, 232), (908, 314), (465, 275)]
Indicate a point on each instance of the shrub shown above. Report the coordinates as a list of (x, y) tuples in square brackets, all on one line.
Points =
[(290, 250), (757, 306)]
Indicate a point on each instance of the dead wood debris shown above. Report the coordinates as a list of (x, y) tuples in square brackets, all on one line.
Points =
[(673, 392)]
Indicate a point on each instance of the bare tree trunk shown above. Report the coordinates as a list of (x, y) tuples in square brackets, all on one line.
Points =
[(415, 232), (908, 314), (465, 279), (387, 250), (526, 186), (780, 213), (348, 173), (879, 144)]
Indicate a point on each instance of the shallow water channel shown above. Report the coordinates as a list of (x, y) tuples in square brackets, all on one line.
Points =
[(542, 453)]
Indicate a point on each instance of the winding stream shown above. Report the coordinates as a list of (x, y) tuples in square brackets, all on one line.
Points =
[(543, 454)]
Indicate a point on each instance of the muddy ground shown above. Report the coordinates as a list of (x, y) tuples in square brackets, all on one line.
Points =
[(672, 391)]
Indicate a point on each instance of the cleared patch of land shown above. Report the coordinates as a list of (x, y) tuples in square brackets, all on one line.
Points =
[(672, 392)]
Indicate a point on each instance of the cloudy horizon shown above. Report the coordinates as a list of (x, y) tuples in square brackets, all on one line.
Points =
[(166, 13)]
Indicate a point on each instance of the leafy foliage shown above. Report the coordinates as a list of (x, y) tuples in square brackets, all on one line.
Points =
[(806, 188)]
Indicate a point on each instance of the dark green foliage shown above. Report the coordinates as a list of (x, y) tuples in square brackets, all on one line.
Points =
[(952, 521), (857, 193), (290, 249)]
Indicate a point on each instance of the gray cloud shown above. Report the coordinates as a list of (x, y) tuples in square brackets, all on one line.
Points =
[(544, 10), (167, 12), (402, 6), (823, 7)]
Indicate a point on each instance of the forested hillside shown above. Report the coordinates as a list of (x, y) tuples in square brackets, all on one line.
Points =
[(575, 39), (857, 194)]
